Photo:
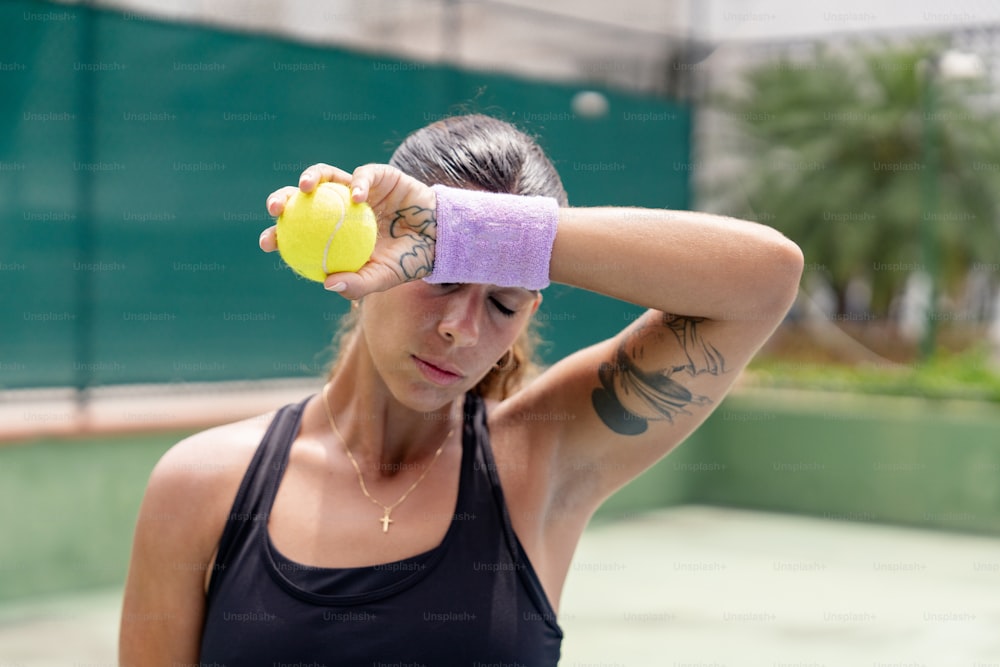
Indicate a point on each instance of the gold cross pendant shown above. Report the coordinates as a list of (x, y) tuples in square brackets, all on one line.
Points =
[(385, 520)]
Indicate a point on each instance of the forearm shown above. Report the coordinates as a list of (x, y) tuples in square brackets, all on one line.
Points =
[(680, 262)]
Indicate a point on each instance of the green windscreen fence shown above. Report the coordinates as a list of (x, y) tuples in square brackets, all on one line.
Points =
[(135, 157)]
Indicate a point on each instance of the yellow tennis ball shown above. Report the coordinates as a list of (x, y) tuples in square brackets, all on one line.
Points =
[(324, 232)]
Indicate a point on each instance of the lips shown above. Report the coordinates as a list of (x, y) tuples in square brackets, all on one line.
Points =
[(437, 372)]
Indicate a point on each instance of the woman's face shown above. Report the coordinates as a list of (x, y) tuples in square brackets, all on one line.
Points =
[(432, 343)]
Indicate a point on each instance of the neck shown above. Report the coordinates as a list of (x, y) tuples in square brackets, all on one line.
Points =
[(383, 433)]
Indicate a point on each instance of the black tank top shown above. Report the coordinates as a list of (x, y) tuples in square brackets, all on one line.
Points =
[(472, 600)]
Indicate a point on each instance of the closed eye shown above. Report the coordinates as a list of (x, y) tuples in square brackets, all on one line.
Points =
[(502, 309)]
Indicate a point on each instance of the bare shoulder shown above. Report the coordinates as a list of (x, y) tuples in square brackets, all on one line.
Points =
[(538, 416), (518, 428), (196, 480), (524, 435), (215, 451)]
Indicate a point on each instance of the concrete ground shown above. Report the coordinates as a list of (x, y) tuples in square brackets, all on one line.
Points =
[(697, 587)]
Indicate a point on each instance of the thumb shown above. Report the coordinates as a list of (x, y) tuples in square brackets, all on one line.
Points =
[(372, 277)]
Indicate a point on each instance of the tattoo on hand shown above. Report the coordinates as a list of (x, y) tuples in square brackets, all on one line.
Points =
[(630, 396), (419, 225)]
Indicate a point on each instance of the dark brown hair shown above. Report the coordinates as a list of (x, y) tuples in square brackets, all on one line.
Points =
[(481, 153)]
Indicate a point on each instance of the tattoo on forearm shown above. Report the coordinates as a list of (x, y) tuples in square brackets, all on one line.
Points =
[(631, 396), (417, 224)]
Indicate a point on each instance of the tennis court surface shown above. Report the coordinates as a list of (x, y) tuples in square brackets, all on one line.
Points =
[(697, 586)]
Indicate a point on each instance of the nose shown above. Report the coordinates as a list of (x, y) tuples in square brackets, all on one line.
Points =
[(460, 320)]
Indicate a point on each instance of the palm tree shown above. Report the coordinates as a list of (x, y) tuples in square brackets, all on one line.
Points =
[(834, 151)]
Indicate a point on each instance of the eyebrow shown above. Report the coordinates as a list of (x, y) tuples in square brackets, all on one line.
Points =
[(517, 292)]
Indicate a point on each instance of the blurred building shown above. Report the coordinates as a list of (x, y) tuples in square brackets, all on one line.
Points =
[(639, 45)]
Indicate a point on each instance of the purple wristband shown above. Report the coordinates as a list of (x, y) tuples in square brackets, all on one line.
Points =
[(488, 237)]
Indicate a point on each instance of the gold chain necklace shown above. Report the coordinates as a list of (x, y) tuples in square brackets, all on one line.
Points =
[(386, 509)]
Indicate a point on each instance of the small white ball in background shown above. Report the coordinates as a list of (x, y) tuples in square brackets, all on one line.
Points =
[(589, 104)]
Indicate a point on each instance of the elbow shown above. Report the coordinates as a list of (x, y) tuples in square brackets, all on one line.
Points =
[(769, 288), (787, 262)]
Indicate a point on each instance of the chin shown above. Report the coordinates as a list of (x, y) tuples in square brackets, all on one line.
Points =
[(420, 394)]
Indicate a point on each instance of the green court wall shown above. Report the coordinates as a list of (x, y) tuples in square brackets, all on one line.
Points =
[(137, 154), (881, 460), (68, 507)]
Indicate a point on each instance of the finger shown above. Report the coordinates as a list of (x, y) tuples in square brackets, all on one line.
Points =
[(369, 278), (268, 240), (364, 179), (321, 173), (276, 200)]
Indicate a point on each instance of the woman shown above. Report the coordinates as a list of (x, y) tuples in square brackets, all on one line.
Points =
[(423, 508)]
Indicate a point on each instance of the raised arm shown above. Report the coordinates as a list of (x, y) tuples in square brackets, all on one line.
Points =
[(679, 262), (716, 288)]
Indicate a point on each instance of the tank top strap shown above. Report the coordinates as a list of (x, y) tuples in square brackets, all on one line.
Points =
[(254, 498), (519, 556), (479, 431)]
